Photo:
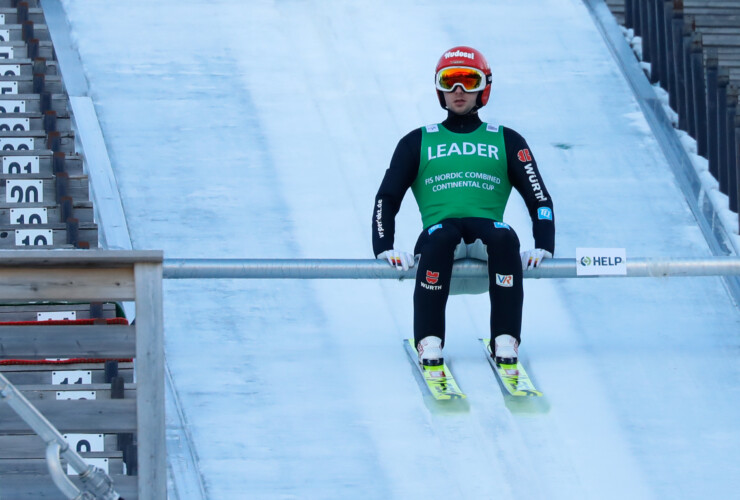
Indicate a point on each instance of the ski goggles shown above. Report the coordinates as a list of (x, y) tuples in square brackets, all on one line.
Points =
[(470, 79)]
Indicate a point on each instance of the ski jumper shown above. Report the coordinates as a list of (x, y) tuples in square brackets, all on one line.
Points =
[(461, 173)]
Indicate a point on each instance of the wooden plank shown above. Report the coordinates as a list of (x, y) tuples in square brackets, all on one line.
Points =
[(40, 283), (720, 30), (9, 217), (41, 487), (106, 416), (68, 341), (152, 449), (79, 188), (72, 163), (8, 370), (38, 466), (45, 49), (76, 204), (34, 14), (22, 312), (52, 84), (706, 12), (76, 259), (53, 226), (708, 3), (66, 139), (32, 446), (40, 31), (82, 212), (26, 65), (726, 52), (40, 377), (53, 237), (721, 24), (36, 118), (59, 102), (54, 392), (710, 40), (730, 63)]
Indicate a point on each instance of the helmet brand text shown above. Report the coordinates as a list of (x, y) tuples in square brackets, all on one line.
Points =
[(460, 53)]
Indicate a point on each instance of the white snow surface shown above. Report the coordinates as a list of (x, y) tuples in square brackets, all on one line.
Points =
[(262, 129)]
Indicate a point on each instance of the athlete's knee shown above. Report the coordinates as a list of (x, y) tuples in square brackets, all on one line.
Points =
[(441, 237), (503, 238)]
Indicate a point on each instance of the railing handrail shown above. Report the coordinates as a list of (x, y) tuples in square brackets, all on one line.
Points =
[(464, 268), (96, 483), (99, 275)]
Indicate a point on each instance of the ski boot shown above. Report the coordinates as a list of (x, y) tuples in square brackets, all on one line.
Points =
[(506, 350), (430, 351)]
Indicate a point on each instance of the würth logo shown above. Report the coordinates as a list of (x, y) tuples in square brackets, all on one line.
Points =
[(432, 277), (524, 155)]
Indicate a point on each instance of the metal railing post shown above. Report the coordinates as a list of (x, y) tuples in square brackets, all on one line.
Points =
[(700, 94), (669, 56), (677, 42), (735, 191), (712, 73), (60, 479)]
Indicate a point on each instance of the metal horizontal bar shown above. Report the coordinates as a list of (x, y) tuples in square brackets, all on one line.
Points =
[(465, 268)]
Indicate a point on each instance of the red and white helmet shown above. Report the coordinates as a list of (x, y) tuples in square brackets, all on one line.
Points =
[(463, 58)]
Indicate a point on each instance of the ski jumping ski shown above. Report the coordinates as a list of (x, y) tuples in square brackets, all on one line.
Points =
[(513, 377), (438, 379)]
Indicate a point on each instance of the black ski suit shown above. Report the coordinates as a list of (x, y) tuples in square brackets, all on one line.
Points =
[(436, 244)]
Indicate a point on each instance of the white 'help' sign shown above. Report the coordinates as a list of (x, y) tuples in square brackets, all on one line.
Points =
[(601, 261)]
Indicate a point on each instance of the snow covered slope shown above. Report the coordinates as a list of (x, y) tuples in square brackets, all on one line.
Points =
[(263, 128)]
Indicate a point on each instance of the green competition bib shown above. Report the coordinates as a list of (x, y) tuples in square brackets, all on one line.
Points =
[(461, 175)]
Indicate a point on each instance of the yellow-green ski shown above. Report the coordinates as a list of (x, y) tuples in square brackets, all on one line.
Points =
[(438, 379), (513, 378)]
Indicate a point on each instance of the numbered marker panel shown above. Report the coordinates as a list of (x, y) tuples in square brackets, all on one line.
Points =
[(10, 69), (67, 395), (72, 377), (17, 143), (85, 443), (12, 106), (34, 237), (20, 164), (29, 216), (56, 315), (14, 124), (24, 191), (9, 88)]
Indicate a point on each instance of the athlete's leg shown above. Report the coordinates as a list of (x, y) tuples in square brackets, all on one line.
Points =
[(505, 289), (436, 247)]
